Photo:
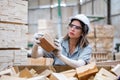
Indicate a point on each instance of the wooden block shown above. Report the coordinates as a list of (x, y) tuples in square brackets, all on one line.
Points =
[(49, 61), (69, 73), (25, 73), (37, 61), (103, 74), (86, 70), (57, 76), (116, 70), (10, 71), (33, 72), (46, 72), (38, 78), (4, 77), (16, 69), (72, 78), (47, 43)]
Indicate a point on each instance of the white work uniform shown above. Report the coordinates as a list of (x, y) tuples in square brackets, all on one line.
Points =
[(79, 53)]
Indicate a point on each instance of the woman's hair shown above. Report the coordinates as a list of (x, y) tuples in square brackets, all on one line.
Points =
[(83, 39)]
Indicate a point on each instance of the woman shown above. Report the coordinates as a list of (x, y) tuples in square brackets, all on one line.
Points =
[(74, 49)]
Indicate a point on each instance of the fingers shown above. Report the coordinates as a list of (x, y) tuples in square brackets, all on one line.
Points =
[(36, 37), (37, 41), (57, 43)]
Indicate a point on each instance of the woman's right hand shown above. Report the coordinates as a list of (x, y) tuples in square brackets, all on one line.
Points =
[(36, 37), (58, 49)]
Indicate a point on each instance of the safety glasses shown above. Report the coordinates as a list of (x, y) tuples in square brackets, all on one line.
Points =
[(74, 26)]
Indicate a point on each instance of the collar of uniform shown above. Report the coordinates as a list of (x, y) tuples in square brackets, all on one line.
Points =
[(66, 46)]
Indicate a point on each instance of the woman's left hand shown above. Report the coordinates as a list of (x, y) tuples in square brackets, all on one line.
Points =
[(58, 49)]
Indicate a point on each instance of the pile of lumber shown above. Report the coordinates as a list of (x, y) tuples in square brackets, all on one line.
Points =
[(13, 32), (101, 37), (49, 74), (104, 74), (111, 63), (47, 26), (86, 72), (101, 40)]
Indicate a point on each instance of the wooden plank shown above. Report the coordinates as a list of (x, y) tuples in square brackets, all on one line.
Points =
[(104, 74), (25, 73), (116, 70), (9, 71), (38, 78), (58, 76), (37, 61), (33, 72), (47, 43), (69, 73), (4, 77), (46, 72), (86, 70)]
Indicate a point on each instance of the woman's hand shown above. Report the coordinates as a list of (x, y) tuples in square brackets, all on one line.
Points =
[(36, 38), (58, 49)]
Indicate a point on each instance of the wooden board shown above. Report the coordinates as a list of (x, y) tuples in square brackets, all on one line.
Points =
[(47, 43)]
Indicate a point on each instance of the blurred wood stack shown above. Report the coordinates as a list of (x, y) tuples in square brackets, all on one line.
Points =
[(47, 26), (101, 39), (13, 29), (39, 73), (87, 72)]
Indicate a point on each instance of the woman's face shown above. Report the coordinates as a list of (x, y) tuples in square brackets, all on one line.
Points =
[(75, 29)]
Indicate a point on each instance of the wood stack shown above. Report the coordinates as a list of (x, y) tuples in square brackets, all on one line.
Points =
[(101, 40), (100, 56), (104, 37), (86, 72), (47, 26), (91, 37), (49, 74), (111, 63), (13, 29)]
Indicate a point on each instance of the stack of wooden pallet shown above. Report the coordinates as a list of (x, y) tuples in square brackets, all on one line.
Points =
[(101, 39), (31, 74), (13, 29), (87, 72)]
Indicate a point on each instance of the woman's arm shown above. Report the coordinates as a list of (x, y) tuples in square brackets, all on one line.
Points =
[(36, 52), (82, 60), (70, 62)]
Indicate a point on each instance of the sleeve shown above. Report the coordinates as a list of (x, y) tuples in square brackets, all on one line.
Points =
[(48, 54), (83, 58), (86, 54)]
